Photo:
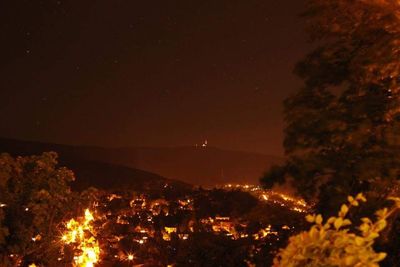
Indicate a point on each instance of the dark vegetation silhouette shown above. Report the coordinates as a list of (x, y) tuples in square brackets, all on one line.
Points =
[(343, 126)]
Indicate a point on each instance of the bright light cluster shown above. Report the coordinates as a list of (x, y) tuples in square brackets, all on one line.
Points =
[(284, 200), (80, 234)]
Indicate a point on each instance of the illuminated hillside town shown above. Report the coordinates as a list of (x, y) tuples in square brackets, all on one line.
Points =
[(136, 229)]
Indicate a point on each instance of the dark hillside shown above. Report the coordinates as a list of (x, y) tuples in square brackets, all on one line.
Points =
[(195, 165)]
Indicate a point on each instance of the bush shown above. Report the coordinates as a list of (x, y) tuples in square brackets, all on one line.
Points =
[(334, 244)]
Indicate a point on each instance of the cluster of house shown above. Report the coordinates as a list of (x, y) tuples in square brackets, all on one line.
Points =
[(142, 219), (236, 229), (127, 224)]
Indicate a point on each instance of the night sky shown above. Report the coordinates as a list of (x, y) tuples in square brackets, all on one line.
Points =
[(149, 73)]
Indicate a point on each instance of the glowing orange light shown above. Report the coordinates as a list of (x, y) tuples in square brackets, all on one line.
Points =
[(88, 247)]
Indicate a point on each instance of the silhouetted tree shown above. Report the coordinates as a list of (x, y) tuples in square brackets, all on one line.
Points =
[(342, 128), (342, 132), (34, 193)]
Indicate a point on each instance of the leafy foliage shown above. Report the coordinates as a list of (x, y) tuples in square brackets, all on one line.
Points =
[(34, 193), (343, 127), (333, 244)]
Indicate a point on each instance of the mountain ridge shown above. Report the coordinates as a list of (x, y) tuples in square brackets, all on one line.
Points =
[(205, 166)]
